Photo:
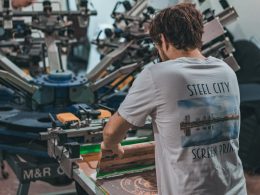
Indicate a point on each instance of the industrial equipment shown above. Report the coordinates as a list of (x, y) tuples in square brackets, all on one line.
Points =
[(56, 110), (134, 173)]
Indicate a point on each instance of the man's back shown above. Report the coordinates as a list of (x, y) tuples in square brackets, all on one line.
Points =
[(196, 127)]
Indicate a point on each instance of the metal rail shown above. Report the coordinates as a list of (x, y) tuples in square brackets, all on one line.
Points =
[(17, 82)]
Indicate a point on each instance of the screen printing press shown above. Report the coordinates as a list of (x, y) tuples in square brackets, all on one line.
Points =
[(132, 180), (134, 173)]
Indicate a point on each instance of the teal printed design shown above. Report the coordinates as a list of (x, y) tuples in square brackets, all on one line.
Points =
[(209, 120)]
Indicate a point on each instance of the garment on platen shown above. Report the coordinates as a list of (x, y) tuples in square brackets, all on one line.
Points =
[(194, 105)]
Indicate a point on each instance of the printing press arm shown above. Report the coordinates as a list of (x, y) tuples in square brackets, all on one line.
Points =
[(108, 60)]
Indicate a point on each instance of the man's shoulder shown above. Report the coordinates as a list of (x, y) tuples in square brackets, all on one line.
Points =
[(165, 63), (154, 68), (186, 61), (181, 65)]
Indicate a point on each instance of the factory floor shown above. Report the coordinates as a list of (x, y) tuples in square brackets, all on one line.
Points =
[(10, 186)]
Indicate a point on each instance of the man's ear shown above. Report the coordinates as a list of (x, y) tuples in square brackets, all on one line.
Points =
[(165, 44)]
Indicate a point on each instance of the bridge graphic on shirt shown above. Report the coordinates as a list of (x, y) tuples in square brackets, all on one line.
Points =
[(187, 125)]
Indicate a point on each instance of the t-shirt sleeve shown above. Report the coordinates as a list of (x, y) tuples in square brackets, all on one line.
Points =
[(140, 101)]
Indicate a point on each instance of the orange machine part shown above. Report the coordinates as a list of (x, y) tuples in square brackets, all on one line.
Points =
[(124, 83), (67, 117), (104, 114)]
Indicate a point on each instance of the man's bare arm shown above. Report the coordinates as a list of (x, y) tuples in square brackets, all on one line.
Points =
[(114, 132)]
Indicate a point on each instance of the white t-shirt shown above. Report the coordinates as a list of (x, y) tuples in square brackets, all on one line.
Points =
[(194, 105)]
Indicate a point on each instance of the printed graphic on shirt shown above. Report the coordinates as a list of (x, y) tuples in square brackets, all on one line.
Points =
[(208, 120)]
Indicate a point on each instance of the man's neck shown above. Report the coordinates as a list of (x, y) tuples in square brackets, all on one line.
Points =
[(175, 53)]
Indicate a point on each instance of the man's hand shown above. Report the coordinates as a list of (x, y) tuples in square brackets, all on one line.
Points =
[(116, 149), (21, 3)]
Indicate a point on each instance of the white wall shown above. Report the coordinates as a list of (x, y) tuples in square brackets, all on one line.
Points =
[(104, 9), (160, 4)]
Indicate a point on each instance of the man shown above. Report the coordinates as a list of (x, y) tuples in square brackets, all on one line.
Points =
[(194, 105)]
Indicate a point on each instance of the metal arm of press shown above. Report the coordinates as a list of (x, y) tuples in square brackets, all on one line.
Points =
[(11, 68), (225, 44), (116, 74), (213, 30), (135, 11), (138, 8), (16, 82), (107, 61)]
